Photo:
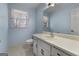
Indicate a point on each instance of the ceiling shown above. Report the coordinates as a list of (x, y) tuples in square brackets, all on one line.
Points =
[(26, 5)]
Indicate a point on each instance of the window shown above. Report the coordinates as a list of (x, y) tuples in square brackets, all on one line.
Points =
[(19, 18)]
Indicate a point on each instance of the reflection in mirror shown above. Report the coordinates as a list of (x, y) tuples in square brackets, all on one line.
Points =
[(45, 23), (45, 20)]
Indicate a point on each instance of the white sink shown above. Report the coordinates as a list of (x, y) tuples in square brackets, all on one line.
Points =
[(73, 37), (48, 35)]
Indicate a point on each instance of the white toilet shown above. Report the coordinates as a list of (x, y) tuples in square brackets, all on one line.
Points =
[(28, 46), (29, 41)]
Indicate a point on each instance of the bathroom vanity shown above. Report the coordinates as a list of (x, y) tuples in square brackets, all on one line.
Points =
[(57, 45)]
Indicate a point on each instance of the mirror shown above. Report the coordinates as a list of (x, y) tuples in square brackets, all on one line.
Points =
[(45, 21), (46, 17)]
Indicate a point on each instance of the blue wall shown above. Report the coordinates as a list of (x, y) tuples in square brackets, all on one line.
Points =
[(18, 36), (3, 27), (60, 18)]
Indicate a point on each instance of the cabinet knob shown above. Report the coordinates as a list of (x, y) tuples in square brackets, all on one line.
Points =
[(58, 54), (42, 51)]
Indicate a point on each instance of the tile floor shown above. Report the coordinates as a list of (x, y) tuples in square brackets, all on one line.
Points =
[(21, 50)]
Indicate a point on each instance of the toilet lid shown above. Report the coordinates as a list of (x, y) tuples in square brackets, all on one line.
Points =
[(29, 41)]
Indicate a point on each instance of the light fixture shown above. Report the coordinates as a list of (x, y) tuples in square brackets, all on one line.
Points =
[(51, 4)]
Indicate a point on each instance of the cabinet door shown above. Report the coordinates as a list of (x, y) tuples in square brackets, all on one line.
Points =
[(34, 46), (57, 52), (43, 48)]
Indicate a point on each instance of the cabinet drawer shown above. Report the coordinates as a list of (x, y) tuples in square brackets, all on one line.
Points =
[(43, 48), (57, 52), (43, 44)]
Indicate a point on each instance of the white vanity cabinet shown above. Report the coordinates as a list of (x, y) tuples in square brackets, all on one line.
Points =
[(43, 48), (35, 46), (58, 52)]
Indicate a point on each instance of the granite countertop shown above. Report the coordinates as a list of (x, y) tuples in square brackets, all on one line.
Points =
[(68, 45)]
